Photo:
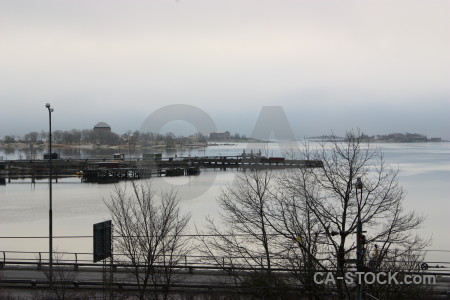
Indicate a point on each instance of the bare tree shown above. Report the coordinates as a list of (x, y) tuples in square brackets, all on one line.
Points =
[(306, 219), (150, 229), (330, 195), (31, 137), (63, 281), (9, 139), (244, 239), (303, 241), (244, 232), (401, 262)]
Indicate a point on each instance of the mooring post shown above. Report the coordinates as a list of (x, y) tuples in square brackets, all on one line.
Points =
[(75, 267), (2, 264), (40, 261)]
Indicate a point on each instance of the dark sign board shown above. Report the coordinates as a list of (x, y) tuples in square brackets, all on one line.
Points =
[(102, 240), (54, 156)]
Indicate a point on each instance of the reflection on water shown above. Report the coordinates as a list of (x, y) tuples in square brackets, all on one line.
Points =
[(424, 173), (81, 153), (76, 206)]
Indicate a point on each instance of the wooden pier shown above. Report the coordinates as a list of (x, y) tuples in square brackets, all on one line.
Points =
[(252, 162), (112, 175), (39, 169), (113, 170)]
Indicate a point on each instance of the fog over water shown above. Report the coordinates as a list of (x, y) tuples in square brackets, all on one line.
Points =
[(424, 173), (379, 65)]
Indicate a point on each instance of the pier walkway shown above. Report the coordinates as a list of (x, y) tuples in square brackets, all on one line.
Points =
[(109, 170)]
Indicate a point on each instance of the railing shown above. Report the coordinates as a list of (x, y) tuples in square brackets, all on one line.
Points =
[(188, 265), (122, 285), (188, 262), (85, 259)]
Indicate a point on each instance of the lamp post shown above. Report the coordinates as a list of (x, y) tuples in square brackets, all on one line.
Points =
[(50, 213), (359, 235)]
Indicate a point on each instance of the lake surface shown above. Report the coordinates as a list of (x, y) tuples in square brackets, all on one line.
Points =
[(424, 173)]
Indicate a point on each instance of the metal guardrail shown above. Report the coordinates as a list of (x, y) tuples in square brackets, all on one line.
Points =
[(187, 265), (100, 285), (191, 262)]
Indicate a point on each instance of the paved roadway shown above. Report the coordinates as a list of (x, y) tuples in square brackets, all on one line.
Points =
[(96, 274), (200, 278)]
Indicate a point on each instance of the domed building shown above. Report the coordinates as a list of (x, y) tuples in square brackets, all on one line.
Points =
[(102, 127)]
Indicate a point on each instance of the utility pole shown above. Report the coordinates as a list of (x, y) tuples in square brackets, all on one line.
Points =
[(50, 212), (359, 240)]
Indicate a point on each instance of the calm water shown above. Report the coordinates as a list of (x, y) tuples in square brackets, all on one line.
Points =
[(424, 173)]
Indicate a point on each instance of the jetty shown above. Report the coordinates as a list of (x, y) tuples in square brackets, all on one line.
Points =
[(107, 170)]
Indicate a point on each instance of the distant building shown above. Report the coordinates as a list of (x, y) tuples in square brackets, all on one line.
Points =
[(435, 139), (102, 127), (220, 136)]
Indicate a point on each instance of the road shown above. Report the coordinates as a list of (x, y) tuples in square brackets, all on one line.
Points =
[(21, 280)]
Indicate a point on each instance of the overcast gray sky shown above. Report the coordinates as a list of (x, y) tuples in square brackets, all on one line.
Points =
[(382, 66)]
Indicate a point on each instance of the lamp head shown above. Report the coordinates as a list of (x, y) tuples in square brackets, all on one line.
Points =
[(358, 184), (47, 105)]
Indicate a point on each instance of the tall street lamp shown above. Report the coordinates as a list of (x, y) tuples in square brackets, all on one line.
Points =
[(50, 213), (359, 235)]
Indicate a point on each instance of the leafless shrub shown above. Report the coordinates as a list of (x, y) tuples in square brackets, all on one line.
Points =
[(149, 227)]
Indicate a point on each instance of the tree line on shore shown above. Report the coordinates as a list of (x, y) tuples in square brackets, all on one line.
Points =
[(89, 136), (391, 137), (132, 138)]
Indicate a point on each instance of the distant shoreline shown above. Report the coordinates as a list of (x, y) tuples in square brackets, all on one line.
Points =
[(25, 146), (379, 141), (384, 138)]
